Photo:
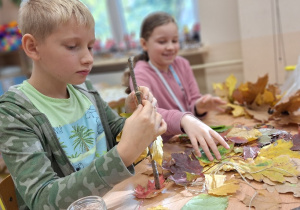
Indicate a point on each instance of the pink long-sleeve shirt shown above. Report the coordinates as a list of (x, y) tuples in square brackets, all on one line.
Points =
[(146, 76)]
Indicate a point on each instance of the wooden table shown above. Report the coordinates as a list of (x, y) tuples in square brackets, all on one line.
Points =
[(175, 197)]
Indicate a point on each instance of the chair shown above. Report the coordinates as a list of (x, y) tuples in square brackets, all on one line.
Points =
[(8, 198)]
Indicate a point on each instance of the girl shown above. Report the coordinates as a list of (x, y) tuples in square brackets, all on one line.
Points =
[(171, 80)]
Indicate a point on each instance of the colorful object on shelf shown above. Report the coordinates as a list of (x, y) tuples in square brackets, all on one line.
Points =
[(10, 37)]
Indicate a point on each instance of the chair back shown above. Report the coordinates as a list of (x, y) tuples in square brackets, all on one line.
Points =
[(8, 198)]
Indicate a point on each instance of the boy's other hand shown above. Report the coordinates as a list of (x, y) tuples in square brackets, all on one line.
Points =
[(131, 101), (139, 131)]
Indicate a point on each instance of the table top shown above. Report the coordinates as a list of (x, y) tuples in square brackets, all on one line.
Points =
[(175, 196)]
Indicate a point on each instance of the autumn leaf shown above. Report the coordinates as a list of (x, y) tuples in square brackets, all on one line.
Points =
[(243, 134), (223, 151), (236, 110), (218, 185), (247, 93), (150, 191), (288, 111), (275, 169), (285, 188), (296, 141), (263, 200), (205, 201), (180, 165), (280, 147), (250, 152), (157, 150), (220, 128)]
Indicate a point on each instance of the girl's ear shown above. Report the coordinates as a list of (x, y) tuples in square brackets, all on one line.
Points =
[(143, 44), (29, 44)]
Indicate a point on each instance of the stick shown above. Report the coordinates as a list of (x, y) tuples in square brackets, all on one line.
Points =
[(138, 95)]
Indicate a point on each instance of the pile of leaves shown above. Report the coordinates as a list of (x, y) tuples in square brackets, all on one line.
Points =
[(259, 100), (260, 153)]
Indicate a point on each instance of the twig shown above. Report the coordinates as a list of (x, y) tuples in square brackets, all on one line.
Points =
[(138, 95)]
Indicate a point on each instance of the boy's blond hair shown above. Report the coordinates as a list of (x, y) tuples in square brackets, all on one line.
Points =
[(41, 17)]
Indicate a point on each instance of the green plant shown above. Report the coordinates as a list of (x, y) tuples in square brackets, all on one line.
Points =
[(16, 2)]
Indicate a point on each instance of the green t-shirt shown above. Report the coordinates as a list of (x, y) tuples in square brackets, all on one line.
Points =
[(75, 121)]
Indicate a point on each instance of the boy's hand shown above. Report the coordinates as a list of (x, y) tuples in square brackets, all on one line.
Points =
[(208, 102), (201, 134), (139, 131), (131, 101)]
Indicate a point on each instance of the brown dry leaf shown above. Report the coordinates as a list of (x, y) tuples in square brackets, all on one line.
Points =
[(247, 93), (284, 188), (287, 111), (264, 200), (259, 113)]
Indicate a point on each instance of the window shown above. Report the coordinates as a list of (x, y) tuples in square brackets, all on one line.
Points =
[(116, 18)]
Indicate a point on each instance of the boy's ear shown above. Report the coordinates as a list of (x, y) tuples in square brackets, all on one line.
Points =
[(29, 44), (143, 44)]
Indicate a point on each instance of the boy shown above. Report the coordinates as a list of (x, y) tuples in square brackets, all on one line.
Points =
[(57, 136)]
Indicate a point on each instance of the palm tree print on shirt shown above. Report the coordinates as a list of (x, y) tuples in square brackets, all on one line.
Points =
[(81, 133)]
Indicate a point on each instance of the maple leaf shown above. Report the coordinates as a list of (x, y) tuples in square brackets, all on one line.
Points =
[(247, 93), (218, 185), (150, 191), (205, 201), (288, 111), (180, 165)]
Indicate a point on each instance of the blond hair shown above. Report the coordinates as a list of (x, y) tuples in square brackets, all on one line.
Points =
[(41, 17)]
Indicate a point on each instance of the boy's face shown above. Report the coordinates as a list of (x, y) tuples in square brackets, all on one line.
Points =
[(162, 45), (65, 56)]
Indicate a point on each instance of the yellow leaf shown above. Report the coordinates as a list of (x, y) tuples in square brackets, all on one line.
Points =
[(218, 185), (142, 156), (237, 110), (280, 147), (230, 83), (157, 150)]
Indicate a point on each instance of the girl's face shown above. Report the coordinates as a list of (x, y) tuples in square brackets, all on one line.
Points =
[(162, 45)]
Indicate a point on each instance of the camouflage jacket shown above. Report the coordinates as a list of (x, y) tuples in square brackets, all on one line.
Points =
[(43, 176)]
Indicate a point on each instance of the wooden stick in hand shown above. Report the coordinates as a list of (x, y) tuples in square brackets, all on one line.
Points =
[(138, 95)]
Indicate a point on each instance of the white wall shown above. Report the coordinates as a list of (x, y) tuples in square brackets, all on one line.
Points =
[(220, 31), (266, 49)]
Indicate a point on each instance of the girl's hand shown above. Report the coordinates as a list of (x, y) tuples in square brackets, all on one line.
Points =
[(131, 101), (201, 134), (208, 103), (139, 131)]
